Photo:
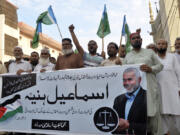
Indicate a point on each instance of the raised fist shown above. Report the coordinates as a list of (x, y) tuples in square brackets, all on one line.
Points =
[(71, 28)]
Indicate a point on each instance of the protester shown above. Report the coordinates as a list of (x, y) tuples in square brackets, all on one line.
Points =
[(69, 60), (44, 62), (151, 66), (152, 46), (170, 89), (112, 50), (34, 59), (122, 52), (131, 106), (177, 48), (91, 59), (19, 65)]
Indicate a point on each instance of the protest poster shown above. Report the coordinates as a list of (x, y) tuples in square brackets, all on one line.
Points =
[(77, 101)]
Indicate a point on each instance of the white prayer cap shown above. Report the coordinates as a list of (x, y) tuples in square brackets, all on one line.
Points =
[(45, 49), (17, 47)]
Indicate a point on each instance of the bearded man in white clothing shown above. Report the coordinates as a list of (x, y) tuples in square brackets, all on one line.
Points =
[(44, 62), (169, 82)]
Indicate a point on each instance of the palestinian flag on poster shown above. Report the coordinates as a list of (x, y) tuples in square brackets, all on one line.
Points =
[(10, 107)]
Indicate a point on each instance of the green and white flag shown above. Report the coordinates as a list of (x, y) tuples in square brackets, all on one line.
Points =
[(47, 18), (126, 32), (104, 28), (10, 108)]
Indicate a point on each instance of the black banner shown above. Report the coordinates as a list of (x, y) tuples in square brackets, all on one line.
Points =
[(13, 83), (61, 125)]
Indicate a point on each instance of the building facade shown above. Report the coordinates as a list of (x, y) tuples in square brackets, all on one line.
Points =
[(14, 33), (167, 22)]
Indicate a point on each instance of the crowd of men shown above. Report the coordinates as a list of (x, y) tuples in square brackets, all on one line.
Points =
[(162, 72)]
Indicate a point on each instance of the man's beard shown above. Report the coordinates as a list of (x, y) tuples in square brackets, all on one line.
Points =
[(162, 50), (111, 54), (137, 45), (34, 63), (67, 51), (43, 61), (92, 50), (17, 56), (132, 89)]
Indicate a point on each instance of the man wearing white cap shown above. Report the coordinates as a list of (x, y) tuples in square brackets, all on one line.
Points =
[(44, 62)]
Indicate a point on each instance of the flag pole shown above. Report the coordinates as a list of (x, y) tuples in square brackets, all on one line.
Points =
[(41, 38), (103, 44), (120, 45), (59, 31), (120, 40), (103, 37)]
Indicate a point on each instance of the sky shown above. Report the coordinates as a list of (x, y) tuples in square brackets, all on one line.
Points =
[(85, 15)]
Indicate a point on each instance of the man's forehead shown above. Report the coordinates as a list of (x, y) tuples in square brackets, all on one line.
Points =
[(92, 42), (177, 42), (66, 41), (130, 73), (136, 35), (44, 51), (162, 41), (133, 35), (111, 45), (32, 54), (17, 48)]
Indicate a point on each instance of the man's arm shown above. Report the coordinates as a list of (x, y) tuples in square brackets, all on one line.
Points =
[(155, 68), (75, 40), (158, 66), (57, 63)]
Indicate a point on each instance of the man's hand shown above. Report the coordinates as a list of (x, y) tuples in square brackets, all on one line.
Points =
[(42, 70), (29, 71), (19, 71), (71, 28), (146, 68), (103, 54), (118, 61), (123, 124)]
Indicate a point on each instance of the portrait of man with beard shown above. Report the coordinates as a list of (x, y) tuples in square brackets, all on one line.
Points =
[(132, 105)]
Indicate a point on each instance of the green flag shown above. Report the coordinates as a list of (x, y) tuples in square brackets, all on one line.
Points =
[(36, 35), (104, 28), (47, 18), (126, 32)]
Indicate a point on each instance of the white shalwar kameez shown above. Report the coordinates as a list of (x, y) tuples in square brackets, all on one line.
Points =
[(169, 82)]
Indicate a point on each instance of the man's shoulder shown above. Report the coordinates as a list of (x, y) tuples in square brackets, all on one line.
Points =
[(120, 97), (142, 92), (142, 89), (50, 64), (25, 62), (74, 55), (105, 61)]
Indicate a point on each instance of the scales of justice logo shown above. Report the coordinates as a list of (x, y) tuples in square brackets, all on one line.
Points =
[(106, 119)]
